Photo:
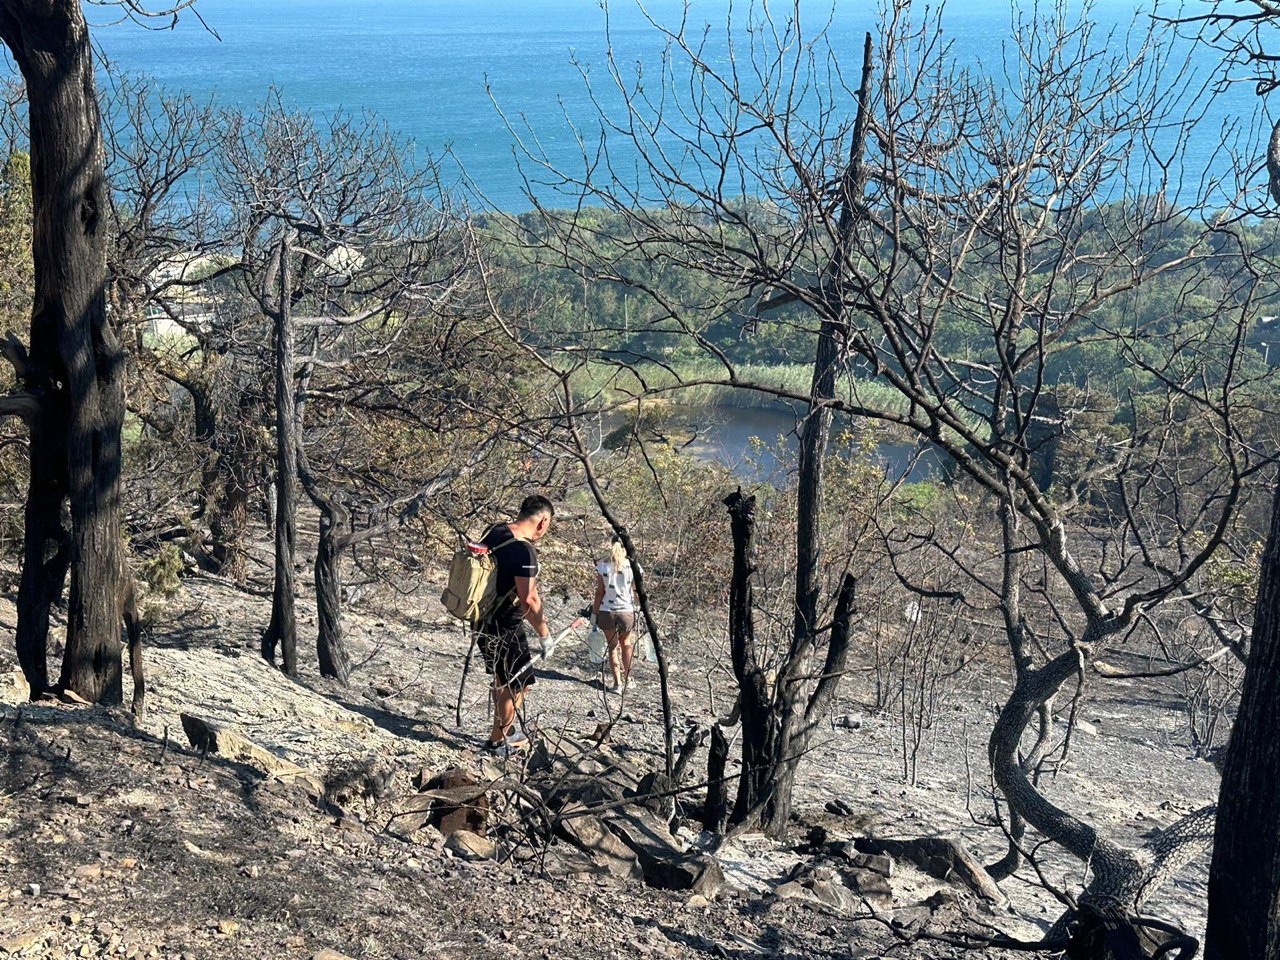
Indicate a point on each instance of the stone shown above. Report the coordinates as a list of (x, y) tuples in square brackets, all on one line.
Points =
[(24, 941), (227, 927), (469, 846), (90, 871), (327, 954), (16, 685), (665, 863), (942, 857), (33, 889), (875, 862), (209, 737), (654, 790), (589, 834)]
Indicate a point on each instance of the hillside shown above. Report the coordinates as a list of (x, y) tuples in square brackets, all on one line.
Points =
[(124, 841)]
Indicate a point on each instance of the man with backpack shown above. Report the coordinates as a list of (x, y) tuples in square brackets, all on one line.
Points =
[(493, 585)]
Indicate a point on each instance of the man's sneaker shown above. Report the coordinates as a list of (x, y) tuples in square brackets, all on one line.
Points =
[(517, 739), (499, 751)]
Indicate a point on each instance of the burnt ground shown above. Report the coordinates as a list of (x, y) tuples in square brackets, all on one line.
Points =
[(118, 840)]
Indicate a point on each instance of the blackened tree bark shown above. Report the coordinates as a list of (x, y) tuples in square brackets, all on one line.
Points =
[(282, 631), (778, 720), (75, 366), (1244, 877), (335, 538)]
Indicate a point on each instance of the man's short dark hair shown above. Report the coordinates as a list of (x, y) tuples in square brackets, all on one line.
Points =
[(534, 505)]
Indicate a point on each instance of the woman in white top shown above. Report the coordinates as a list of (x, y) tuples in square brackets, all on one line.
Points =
[(615, 610)]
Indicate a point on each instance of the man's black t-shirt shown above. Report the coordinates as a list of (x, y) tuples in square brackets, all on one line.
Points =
[(514, 559)]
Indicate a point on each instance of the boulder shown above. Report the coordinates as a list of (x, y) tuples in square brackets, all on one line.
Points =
[(942, 857), (468, 846), (589, 834), (209, 737), (663, 860)]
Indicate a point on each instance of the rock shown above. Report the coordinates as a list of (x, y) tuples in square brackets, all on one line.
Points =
[(227, 927), (793, 890), (454, 801), (209, 737), (469, 846), (24, 941), (665, 863), (14, 686), (327, 954), (589, 834), (90, 871), (875, 862), (33, 890), (942, 857), (835, 895), (651, 788), (845, 891)]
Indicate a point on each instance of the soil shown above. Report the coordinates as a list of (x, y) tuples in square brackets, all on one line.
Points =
[(119, 840)]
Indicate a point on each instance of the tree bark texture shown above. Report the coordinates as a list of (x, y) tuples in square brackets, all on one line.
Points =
[(76, 364), (1244, 877), (282, 631)]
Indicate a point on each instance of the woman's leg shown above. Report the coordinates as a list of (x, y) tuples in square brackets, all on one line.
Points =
[(627, 643), (614, 657)]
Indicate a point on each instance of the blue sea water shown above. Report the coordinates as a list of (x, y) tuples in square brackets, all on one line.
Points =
[(434, 69)]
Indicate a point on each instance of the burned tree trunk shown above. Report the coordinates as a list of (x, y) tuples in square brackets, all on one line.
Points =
[(331, 647), (75, 361), (715, 811), (236, 455), (778, 718), (282, 631), (336, 537), (1244, 878)]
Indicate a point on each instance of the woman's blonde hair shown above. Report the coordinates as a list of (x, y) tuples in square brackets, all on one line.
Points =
[(616, 554)]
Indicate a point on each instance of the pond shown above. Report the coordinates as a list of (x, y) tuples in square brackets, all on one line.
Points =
[(760, 444)]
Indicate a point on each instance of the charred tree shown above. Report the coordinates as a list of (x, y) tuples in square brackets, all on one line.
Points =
[(75, 365), (335, 538), (778, 719), (1244, 877), (282, 631)]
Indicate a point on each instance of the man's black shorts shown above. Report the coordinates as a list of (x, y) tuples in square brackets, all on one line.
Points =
[(507, 657)]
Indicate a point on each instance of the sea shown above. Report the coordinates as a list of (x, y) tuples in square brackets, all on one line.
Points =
[(483, 83)]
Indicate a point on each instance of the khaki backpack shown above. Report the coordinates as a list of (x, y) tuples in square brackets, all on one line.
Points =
[(472, 593)]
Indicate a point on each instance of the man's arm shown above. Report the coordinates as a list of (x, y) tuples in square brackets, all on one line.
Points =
[(531, 604)]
